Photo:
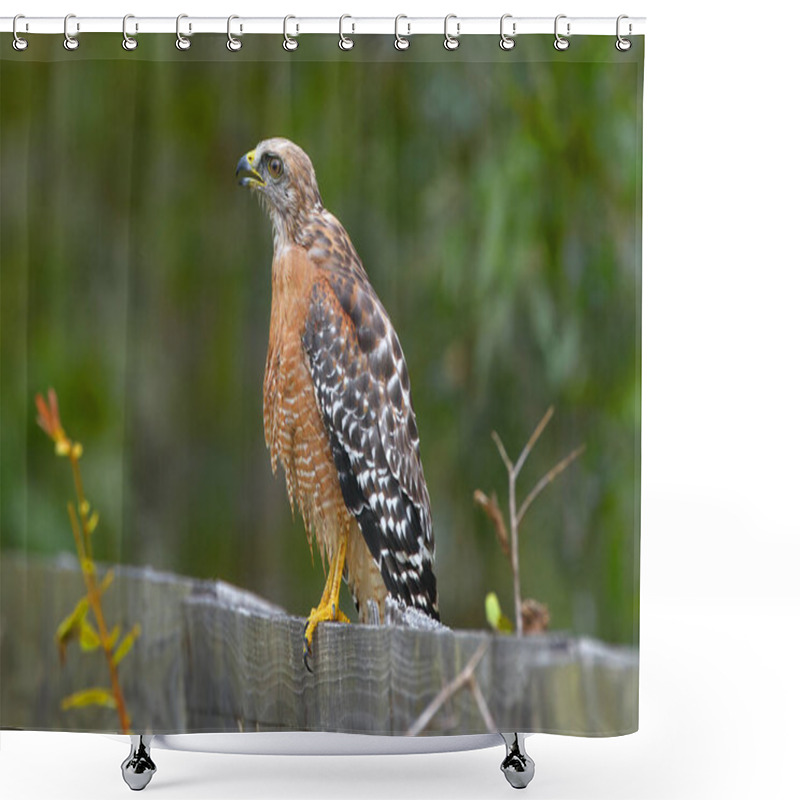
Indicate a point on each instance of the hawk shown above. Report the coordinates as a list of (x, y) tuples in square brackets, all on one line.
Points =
[(337, 402)]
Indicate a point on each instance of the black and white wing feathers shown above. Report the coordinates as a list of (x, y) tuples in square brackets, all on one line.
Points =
[(363, 393)]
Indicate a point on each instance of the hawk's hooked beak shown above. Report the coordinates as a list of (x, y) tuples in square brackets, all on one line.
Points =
[(247, 165)]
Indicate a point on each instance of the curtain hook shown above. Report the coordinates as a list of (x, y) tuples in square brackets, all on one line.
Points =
[(128, 42), (70, 42), (234, 44), (289, 42), (182, 42), (19, 43), (345, 42), (451, 42), (623, 44), (561, 43), (507, 42), (400, 42)]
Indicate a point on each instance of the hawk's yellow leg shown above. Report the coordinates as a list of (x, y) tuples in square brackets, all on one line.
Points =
[(328, 608)]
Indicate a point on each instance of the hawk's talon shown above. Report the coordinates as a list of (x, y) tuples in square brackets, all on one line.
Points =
[(324, 612)]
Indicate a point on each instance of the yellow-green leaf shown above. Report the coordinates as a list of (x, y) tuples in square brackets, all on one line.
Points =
[(504, 624), (106, 582), (89, 697), (84, 507), (495, 616), (70, 626), (126, 644), (113, 636), (92, 523), (493, 612), (90, 639), (88, 566)]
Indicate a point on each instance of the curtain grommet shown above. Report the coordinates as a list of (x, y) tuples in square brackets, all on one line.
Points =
[(451, 42), (622, 44), (128, 42), (70, 42), (401, 42), (560, 42), (507, 42), (345, 42), (182, 42), (19, 44), (290, 43), (234, 43)]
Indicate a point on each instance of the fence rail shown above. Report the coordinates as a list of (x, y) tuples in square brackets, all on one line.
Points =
[(212, 657)]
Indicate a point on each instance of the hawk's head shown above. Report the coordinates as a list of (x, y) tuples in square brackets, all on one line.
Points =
[(283, 177)]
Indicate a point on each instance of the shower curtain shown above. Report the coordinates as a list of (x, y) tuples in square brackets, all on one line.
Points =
[(155, 576)]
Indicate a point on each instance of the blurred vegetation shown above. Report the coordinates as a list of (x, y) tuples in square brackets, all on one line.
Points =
[(78, 626), (495, 201)]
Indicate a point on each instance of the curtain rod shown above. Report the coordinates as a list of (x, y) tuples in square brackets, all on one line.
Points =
[(349, 25)]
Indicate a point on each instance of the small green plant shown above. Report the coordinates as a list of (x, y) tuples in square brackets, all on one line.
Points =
[(86, 623), (530, 616)]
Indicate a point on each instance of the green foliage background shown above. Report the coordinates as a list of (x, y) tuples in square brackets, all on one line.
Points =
[(495, 201)]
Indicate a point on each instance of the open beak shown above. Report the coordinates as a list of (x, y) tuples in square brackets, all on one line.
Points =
[(249, 175)]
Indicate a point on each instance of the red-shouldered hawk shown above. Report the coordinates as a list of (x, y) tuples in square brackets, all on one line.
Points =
[(337, 401)]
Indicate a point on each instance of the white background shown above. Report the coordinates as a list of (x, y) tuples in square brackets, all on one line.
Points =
[(720, 604)]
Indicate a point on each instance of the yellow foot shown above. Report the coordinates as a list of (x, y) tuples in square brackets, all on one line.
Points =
[(324, 612)]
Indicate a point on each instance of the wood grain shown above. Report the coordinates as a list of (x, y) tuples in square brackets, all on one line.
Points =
[(215, 658)]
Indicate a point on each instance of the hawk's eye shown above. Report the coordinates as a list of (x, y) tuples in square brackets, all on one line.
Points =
[(275, 167)]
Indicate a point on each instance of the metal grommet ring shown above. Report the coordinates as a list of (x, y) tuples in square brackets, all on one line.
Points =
[(560, 43), (451, 42), (345, 42), (507, 42), (234, 44), (128, 42), (400, 42), (19, 43), (623, 44), (70, 42), (289, 42), (182, 42)]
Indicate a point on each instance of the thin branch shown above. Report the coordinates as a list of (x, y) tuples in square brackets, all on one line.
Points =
[(492, 509), (49, 420), (547, 479), (502, 451), (483, 706), (511, 549), (448, 691), (548, 415), (76, 532), (512, 516)]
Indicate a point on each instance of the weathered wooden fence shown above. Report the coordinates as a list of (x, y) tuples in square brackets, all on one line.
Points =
[(214, 658)]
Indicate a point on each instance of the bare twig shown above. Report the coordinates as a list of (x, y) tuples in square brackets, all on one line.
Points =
[(515, 517), (512, 516), (547, 479), (502, 450), (492, 509), (483, 707), (523, 456), (449, 690)]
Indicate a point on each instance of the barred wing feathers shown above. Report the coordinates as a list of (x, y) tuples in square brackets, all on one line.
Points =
[(362, 389)]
